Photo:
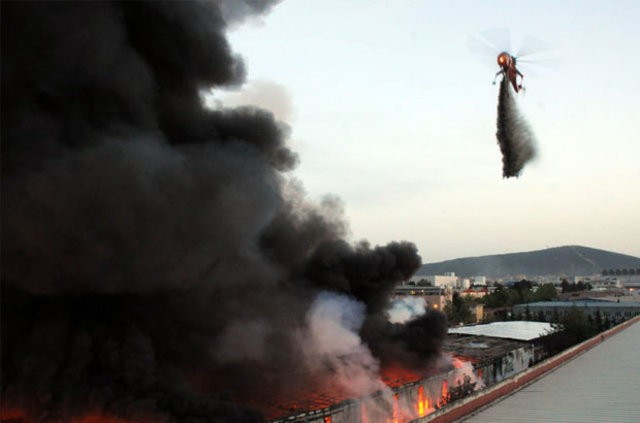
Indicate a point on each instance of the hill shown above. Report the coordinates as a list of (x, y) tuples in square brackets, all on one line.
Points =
[(568, 260)]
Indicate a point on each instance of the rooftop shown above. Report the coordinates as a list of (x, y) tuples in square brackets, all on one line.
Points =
[(597, 304), (478, 349), (517, 330), (598, 386)]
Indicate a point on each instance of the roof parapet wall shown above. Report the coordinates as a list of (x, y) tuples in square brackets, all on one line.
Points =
[(484, 398)]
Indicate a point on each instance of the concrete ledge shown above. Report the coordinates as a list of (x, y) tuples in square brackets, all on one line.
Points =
[(472, 403)]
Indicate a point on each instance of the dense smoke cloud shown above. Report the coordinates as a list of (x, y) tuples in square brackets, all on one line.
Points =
[(515, 137), (159, 264)]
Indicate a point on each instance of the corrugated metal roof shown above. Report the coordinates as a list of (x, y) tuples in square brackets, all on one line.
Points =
[(594, 304), (600, 385), (518, 330)]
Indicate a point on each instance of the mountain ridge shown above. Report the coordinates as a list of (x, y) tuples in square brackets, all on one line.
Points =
[(567, 260)]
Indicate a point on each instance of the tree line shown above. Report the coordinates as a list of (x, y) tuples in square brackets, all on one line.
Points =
[(519, 293)]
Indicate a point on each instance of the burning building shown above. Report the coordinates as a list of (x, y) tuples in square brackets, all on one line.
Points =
[(408, 396), (159, 263), (476, 357), (505, 348)]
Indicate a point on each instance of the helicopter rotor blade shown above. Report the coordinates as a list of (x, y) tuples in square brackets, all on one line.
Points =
[(549, 63), (499, 38), (532, 45), (481, 48), (483, 52)]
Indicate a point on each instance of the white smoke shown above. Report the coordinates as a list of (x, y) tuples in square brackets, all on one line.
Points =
[(268, 95), (461, 370), (332, 342), (406, 308)]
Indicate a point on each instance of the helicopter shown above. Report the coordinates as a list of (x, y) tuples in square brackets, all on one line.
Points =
[(507, 63), (489, 45)]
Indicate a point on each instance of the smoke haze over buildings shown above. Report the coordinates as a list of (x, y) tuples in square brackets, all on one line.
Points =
[(157, 253)]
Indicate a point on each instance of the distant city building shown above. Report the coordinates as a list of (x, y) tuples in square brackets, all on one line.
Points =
[(605, 284), (435, 297), (475, 292), (449, 280), (621, 272), (584, 279), (478, 280), (463, 283), (596, 295)]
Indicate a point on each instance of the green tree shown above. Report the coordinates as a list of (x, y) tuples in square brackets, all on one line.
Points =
[(571, 328), (457, 310), (576, 326), (599, 324), (521, 292), (546, 292), (607, 323), (498, 298)]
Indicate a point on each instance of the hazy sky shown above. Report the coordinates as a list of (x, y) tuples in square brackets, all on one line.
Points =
[(391, 112)]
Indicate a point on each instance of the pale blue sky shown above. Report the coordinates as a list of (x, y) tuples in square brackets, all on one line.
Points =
[(392, 113)]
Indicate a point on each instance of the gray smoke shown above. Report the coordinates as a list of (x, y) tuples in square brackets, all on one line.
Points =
[(158, 263), (515, 137), (237, 11)]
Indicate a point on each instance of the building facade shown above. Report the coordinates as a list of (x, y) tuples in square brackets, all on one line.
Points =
[(434, 297)]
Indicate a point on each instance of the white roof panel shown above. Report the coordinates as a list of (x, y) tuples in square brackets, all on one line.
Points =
[(518, 330)]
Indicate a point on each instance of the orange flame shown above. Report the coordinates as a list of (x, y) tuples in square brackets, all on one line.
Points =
[(421, 401), (394, 413), (395, 408), (445, 393), (445, 389), (363, 410)]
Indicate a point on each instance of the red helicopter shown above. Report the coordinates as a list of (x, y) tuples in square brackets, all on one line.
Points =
[(507, 63), (497, 41)]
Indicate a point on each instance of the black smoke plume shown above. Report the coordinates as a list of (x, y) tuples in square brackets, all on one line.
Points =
[(158, 263), (515, 137)]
